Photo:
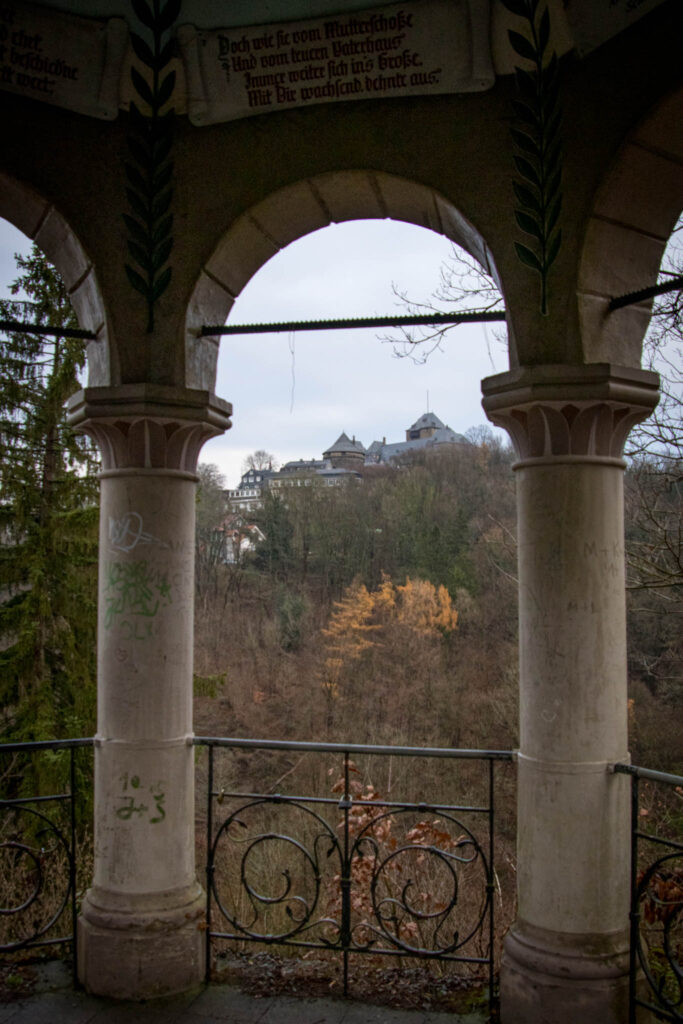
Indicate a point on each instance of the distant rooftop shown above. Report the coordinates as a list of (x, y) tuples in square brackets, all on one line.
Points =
[(345, 444), (427, 420), (443, 435), (302, 465)]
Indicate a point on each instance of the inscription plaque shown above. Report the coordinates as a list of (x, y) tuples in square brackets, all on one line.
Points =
[(62, 59), (412, 49)]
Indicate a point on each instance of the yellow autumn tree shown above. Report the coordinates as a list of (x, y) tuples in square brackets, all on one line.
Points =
[(425, 608), (348, 634), (364, 620)]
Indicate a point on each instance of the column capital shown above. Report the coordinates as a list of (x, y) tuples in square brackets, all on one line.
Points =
[(570, 413), (148, 426)]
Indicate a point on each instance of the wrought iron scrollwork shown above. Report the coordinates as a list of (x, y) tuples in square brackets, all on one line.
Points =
[(275, 905), (659, 898), (656, 941), (35, 856), (417, 882), (353, 873), (416, 889)]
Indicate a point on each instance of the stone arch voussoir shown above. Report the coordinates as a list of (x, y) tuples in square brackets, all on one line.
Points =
[(297, 210), (45, 225), (635, 211)]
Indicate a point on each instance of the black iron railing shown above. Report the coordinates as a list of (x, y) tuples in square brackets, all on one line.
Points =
[(38, 845), (656, 975), (352, 872)]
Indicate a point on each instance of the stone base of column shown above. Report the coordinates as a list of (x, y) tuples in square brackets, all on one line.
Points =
[(547, 978), (132, 947)]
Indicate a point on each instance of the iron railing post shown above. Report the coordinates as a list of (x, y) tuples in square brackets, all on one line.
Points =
[(491, 888), (634, 915), (72, 866), (345, 880), (209, 865)]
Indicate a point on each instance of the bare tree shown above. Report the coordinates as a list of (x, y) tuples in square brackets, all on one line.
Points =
[(662, 434), (464, 287), (210, 534), (655, 451), (655, 477), (211, 504), (260, 459)]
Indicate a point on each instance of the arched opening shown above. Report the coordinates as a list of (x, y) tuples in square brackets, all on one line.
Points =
[(42, 222), (276, 669), (654, 507), (296, 391), (632, 220), (48, 487), (298, 210), (269, 435)]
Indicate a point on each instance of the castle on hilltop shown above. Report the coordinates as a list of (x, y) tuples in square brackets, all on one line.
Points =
[(341, 461)]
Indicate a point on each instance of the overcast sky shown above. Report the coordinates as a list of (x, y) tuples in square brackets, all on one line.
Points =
[(293, 395)]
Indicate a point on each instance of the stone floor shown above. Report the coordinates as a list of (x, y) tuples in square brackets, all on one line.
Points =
[(54, 1001)]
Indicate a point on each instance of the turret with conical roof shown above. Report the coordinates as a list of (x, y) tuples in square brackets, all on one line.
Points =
[(345, 453)]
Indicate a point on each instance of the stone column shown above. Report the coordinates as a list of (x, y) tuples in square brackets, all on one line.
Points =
[(566, 957), (140, 929)]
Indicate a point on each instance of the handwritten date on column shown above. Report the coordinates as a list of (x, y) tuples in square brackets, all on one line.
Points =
[(135, 802)]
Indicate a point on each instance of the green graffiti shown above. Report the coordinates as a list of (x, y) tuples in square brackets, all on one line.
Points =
[(134, 588)]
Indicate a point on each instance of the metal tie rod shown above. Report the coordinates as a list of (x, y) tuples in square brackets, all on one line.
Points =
[(434, 319), (673, 285), (18, 327)]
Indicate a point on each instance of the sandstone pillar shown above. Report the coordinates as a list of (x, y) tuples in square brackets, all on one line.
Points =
[(140, 929), (566, 957)]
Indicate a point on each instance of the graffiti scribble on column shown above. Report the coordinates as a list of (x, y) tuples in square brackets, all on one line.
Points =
[(126, 532), (134, 588)]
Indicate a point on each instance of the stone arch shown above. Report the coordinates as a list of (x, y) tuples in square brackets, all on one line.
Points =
[(297, 210), (632, 219), (44, 224)]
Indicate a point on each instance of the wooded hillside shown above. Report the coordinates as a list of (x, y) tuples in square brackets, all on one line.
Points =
[(385, 611)]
